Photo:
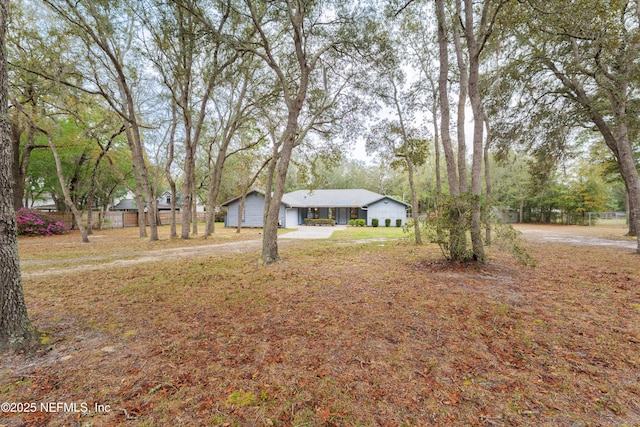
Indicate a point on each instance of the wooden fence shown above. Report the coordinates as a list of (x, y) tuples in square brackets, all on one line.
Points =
[(117, 219)]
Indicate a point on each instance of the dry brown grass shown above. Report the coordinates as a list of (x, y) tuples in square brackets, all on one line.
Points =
[(379, 334), (120, 242)]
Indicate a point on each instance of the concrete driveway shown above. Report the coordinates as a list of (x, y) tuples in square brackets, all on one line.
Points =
[(312, 232)]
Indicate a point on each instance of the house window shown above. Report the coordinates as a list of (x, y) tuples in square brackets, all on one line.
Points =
[(316, 213), (354, 213), (332, 213), (168, 199)]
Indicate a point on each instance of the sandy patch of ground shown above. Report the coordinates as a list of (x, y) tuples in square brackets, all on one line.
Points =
[(610, 236)]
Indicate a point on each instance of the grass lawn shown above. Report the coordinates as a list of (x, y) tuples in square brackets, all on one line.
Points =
[(337, 334), (354, 233)]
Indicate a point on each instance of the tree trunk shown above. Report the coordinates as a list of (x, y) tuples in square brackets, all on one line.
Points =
[(272, 204), (443, 93), (414, 203), (15, 328), (167, 171), (632, 181), (231, 127), (194, 215), (478, 129), (616, 137), (487, 183), (214, 189), (20, 163), (631, 222), (436, 149), (142, 226), (521, 212), (618, 142), (92, 182), (89, 209), (407, 153), (187, 189), (152, 204), (243, 199), (457, 237), (462, 104), (65, 191)]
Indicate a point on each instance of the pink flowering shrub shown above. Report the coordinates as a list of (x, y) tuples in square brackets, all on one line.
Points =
[(35, 223)]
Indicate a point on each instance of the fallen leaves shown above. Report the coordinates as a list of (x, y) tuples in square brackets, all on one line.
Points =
[(341, 335)]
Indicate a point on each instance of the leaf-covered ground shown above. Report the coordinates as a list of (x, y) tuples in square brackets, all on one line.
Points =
[(338, 334)]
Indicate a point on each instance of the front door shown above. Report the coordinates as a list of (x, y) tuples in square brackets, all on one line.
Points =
[(342, 216)]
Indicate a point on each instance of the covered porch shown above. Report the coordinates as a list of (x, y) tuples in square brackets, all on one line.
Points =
[(341, 215)]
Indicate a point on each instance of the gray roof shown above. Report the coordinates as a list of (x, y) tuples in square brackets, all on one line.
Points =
[(126, 205), (343, 198), (235, 199)]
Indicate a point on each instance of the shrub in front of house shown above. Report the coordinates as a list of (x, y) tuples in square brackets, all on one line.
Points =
[(374, 222), (387, 222), (352, 222), (35, 223), (319, 221), (398, 222), (361, 222)]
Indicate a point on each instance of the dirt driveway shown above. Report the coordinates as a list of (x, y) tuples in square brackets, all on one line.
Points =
[(612, 236)]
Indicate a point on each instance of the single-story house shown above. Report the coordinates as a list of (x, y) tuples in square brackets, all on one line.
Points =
[(339, 205)]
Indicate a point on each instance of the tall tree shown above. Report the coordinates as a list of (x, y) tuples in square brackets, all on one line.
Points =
[(28, 48), (108, 32), (477, 31), (463, 92), (420, 34), (192, 58), (62, 180), (300, 42), (398, 140), (15, 328), (235, 113), (457, 243), (588, 52), (443, 93)]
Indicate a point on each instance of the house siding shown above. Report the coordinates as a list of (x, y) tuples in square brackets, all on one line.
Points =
[(253, 212), (387, 208)]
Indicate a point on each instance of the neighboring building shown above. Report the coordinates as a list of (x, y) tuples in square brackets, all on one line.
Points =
[(164, 204), (49, 207), (504, 214), (125, 205), (339, 205)]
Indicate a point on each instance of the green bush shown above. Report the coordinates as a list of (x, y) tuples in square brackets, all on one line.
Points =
[(352, 222), (374, 222), (449, 227), (319, 221), (387, 222), (398, 222), (361, 222)]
